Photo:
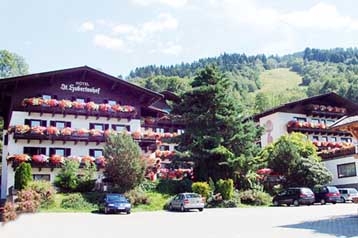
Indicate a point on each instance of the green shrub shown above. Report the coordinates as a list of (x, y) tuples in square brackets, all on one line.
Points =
[(75, 201), (27, 200), (46, 192), (23, 176), (137, 197), (217, 201), (84, 186), (254, 197), (225, 188), (67, 179), (168, 186), (201, 188), (148, 185)]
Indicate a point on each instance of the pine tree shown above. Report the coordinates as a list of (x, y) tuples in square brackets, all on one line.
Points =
[(23, 176), (215, 129)]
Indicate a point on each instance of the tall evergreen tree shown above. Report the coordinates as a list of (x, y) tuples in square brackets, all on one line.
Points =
[(216, 134)]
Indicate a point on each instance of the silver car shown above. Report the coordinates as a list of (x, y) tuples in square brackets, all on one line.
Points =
[(185, 201), (347, 194)]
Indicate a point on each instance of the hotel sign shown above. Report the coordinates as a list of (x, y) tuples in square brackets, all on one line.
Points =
[(80, 86)]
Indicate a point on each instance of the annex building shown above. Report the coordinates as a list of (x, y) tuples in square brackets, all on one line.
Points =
[(314, 117)]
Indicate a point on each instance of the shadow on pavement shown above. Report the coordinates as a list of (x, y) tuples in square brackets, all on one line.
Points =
[(340, 226)]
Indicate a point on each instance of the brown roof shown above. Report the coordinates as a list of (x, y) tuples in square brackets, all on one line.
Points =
[(327, 99)]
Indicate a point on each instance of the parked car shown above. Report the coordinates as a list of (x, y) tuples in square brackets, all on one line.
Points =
[(295, 196), (114, 203), (348, 194), (326, 194), (185, 201)]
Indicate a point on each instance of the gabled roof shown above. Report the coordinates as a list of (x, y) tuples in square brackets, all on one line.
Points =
[(80, 69), (345, 121), (331, 98)]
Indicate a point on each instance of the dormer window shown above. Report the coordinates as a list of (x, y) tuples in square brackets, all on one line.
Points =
[(112, 102), (46, 97), (81, 100)]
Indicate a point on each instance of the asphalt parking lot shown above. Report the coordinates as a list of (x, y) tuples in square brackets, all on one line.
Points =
[(340, 220)]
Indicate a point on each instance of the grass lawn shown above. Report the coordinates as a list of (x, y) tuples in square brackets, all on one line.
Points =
[(157, 202), (280, 79)]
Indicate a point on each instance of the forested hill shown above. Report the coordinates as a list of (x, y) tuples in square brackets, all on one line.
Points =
[(321, 71)]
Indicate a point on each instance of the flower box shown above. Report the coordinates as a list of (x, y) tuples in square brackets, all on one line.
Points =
[(95, 132), (57, 159), (67, 131), (51, 130), (87, 159), (39, 130), (63, 104), (91, 106), (40, 159), (105, 107), (22, 129)]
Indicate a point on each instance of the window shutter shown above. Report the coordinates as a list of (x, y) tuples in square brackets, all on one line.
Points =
[(43, 151), (91, 126), (68, 124), (52, 151), (67, 152), (27, 122), (6, 139), (91, 152), (106, 126), (43, 123)]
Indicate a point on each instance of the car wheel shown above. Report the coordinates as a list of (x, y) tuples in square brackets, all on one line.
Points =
[(296, 203), (343, 199), (182, 209), (275, 203), (334, 202), (201, 209), (170, 207), (323, 201), (129, 212)]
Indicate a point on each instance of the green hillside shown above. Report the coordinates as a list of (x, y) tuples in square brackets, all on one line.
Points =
[(278, 80)]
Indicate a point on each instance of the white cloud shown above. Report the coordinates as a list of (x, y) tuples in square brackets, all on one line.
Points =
[(108, 42), (87, 26), (169, 48), (321, 16), (142, 32), (170, 3)]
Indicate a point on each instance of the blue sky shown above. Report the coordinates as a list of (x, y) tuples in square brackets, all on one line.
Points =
[(116, 36)]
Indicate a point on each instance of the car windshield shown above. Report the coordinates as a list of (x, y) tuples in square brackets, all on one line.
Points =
[(116, 198), (332, 189), (353, 191)]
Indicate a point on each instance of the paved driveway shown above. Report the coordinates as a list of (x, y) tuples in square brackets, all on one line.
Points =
[(340, 220)]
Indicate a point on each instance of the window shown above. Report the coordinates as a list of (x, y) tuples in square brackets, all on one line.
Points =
[(60, 151), (96, 153), (300, 119), (60, 124), (315, 138), (82, 100), (333, 139), (111, 102), (346, 170), (46, 97), (164, 147), (34, 150), (315, 121), (346, 139), (325, 138), (45, 177), (180, 131), (118, 127), (159, 130), (329, 122), (32, 122), (99, 126)]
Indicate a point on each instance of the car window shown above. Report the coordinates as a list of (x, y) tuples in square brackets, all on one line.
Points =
[(193, 195), (353, 191), (306, 191), (343, 191), (114, 198)]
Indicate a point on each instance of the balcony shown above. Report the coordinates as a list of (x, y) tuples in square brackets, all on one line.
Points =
[(25, 132), (313, 128), (326, 111), (166, 121), (335, 153), (54, 161), (67, 107)]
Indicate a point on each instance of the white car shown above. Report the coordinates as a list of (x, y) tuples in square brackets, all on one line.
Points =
[(186, 201), (347, 194)]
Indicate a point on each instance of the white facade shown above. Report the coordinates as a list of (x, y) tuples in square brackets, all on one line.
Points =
[(275, 125)]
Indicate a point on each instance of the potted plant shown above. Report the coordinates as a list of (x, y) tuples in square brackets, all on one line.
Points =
[(22, 129), (67, 131), (56, 159), (91, 106), (51, 130), (40, 159), (63, 104)]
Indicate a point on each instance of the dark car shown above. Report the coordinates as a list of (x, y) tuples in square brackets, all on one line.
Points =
[(115, 203), (295, 196), (326, 194)]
